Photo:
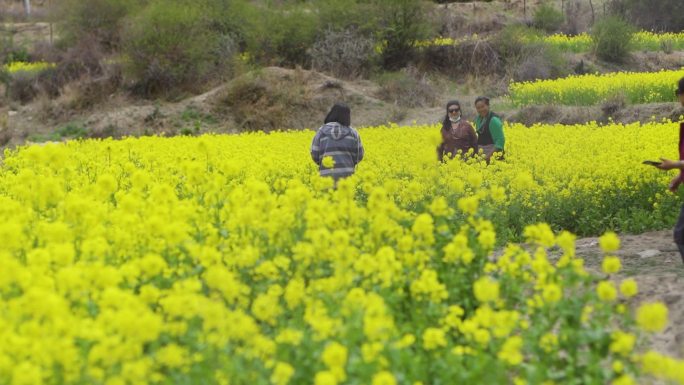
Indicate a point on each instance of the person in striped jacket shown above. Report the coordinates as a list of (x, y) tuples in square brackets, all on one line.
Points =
[(337, 147)]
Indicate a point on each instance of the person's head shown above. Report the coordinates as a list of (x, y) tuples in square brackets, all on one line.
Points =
[(482, 105), (453, 109), (339, 113), (680, 91)]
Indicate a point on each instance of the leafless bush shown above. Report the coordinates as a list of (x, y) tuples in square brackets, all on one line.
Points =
[(83, 62), (23, 87), (93, 91), (455, 24), (533, 67), (83, 59), (345, 54), (407, 88), (574, 20), (471, 57), (614, 104)]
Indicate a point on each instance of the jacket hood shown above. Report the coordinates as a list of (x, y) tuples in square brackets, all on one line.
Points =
[(336, 130)]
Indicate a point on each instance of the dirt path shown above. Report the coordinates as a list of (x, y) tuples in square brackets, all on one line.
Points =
[(653, 260)]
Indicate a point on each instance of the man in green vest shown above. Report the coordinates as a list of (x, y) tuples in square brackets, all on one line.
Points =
[(489, 127)]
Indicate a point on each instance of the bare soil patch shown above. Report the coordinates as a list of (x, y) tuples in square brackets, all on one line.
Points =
[(653, 260)]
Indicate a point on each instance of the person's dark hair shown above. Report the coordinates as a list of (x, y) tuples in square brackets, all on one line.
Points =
[(339, 113), (482, 99), (680, 87), (446, 123)]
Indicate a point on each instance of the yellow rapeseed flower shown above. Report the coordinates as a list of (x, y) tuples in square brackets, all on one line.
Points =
[(609, 242), (652, 317), (629, 288), (611, 265), (606, 291)]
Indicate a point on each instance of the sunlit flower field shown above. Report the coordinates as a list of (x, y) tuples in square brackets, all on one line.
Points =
[(25, 67), (641, 41), (228, 260), (582, 43), (588, 90)]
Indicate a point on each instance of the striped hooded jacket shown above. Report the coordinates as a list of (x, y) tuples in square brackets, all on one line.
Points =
[(342, 144)]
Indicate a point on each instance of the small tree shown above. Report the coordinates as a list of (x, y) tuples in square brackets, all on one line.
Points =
[(548, 18), (99, 20), (612, 39), (402, 24), (168, 45)]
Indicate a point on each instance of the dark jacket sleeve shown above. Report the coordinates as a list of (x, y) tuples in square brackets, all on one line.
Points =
[(361, 151), (472, 136), (315, 148)]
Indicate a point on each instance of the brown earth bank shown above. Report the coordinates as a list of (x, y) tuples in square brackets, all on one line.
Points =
[(653, 260), (277, 98)]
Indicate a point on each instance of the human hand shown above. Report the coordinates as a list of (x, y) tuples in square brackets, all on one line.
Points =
[(668, 164), (674, 183)]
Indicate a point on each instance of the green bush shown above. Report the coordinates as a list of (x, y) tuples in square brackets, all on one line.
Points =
[(339, 15), (93, 19), (401, 23), (73, 130), (284, 36), (170, 44), (237, 19), (513, 42), (612, 38), (547, 18)]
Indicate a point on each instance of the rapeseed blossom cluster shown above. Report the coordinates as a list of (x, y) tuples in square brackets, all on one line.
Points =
[(593, 89), (229, 260), (27, 67)]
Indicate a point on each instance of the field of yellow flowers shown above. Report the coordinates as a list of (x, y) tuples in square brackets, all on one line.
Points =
[(228, 260), (588, 90), (641, 41), (25, 67), (581, 43)]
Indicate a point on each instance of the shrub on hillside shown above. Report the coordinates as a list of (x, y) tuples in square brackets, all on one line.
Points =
[(542, 61), (342, 15), (476, 57), (237, 19), (170, 45), (401, 24), (524, 57), (344, 54), (22, 87), (268, 100), (93, 19), (547, 18), (612, 38), (407, 88), (284, 37), (513, 42)]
